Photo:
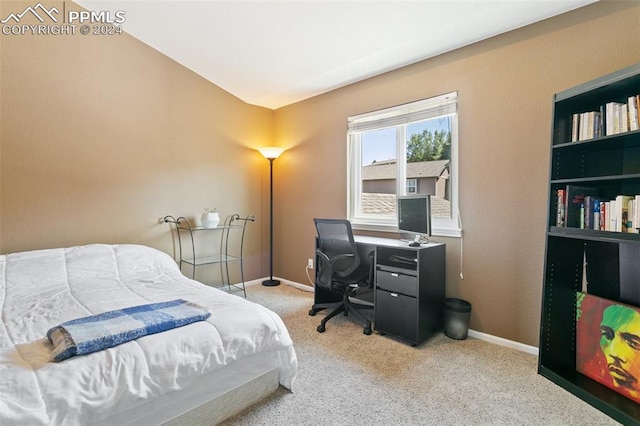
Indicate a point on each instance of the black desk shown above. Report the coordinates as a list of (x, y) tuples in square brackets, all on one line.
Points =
[(408, 290)]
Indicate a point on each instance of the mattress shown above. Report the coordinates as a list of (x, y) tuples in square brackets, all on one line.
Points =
[(40, 289)]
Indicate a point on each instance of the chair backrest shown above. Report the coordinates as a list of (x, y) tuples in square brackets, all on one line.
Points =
[(335, 237)]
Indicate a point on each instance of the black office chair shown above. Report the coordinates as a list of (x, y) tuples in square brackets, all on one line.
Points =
[(341, 270)]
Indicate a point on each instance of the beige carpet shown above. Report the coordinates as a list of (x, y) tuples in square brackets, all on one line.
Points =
[(348, 378)]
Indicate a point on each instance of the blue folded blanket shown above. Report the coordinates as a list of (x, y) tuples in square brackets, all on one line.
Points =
[(93, 333)]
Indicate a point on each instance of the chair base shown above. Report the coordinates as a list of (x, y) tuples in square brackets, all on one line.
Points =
[(346, 307)]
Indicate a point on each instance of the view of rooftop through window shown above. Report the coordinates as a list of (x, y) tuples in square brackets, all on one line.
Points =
[(427, 162)]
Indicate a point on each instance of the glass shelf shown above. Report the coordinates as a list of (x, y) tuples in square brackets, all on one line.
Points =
[(233, 229)]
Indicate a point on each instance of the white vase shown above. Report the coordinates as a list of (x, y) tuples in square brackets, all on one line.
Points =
[(210, 220)]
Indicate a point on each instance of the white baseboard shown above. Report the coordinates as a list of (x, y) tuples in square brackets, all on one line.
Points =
[(283, 281), (473, 333), (253, 282), (297, 285), (504, 342)]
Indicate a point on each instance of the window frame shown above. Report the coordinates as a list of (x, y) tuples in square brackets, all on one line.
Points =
[(414, 186), (400, 117)]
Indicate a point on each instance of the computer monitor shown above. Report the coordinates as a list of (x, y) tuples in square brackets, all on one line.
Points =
[(414, 216)]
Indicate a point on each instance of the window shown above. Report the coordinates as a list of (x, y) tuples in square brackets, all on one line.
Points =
[(407, 149), (412, 186)]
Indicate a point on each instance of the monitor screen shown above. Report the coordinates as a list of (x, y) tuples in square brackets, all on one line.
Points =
[(414, 214)]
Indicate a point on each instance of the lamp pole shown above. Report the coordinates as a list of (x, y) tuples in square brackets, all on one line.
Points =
[(271, 154)]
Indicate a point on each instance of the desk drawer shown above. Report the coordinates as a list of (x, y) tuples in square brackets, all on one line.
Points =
[(396, 314), (397, 282), (397, 258)]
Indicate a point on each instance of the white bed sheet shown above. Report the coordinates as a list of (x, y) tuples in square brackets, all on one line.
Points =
[(40, 289)]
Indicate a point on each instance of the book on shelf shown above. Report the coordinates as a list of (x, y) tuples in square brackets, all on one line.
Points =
[(574, 206), (622, 213), (560, 194), (586, 125), (612, 216), (635, 221), (586, 119), (575, 126), (633, 215), (591, 212), (595, 129), (580, 207), (612, 118), (631, 207), (634, 119), (622, 117)]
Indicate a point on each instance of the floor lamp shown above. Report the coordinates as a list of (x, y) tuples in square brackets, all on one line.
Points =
[(271, 153)]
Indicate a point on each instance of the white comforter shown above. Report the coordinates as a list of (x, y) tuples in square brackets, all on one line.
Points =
[(40, 289)]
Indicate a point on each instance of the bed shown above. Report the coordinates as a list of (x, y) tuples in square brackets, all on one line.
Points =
[(197, 374)]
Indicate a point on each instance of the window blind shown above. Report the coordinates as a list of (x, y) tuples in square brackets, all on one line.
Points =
[(402, 114)]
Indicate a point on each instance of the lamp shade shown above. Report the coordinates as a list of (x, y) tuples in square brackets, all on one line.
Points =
[(271, 152)]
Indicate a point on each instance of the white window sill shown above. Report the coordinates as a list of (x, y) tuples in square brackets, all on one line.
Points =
[(435, 232)]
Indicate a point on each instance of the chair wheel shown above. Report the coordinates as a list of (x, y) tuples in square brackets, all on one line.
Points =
[(321, 328), (367, 331), (313, 313)]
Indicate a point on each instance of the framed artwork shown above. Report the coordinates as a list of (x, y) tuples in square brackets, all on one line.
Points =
[(608, 343)]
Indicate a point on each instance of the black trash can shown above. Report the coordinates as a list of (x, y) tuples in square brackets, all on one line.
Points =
[(456, 318)]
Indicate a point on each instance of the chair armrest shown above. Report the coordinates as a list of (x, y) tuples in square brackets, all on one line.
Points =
[(333, 260), (326, 264)]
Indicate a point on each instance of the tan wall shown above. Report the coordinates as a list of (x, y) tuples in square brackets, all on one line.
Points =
[(100, 136), (505, 87)]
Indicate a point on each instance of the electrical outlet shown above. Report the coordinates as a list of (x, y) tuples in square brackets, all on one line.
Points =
[(161, 220), (310, 264)]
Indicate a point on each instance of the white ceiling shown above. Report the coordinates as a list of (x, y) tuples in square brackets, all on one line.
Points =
[(273, 53)]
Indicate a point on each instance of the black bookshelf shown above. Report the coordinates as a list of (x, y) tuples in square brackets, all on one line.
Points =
[(611, 165)]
